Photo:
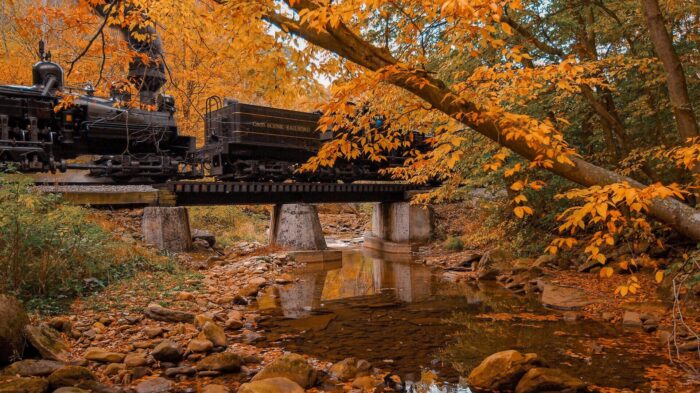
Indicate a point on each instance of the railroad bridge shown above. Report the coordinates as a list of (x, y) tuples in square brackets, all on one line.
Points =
[(397, 226)]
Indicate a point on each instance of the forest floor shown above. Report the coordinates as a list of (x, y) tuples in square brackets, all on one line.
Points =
[(159, 330)]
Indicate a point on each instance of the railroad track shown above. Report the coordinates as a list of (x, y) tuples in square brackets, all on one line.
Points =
[(188, 193)]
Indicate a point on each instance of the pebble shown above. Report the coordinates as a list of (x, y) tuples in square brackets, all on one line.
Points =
[(182, 370), (153, 331)]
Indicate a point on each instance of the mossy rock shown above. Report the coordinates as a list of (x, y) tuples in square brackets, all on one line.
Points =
[(24, 385), (70, 376), (48, 342), (12, 324), (290, 366)]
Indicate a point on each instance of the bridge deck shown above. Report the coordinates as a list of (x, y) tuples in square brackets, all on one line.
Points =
[(233, 193)]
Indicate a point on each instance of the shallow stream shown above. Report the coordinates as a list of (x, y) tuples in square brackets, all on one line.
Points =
[(405, 317)]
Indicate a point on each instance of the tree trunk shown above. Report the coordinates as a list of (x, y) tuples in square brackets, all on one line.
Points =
[(675, 77), (345, 43)]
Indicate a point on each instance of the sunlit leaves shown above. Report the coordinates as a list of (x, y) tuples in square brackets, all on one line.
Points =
[(630, 287), (659, 276), (606, 272)]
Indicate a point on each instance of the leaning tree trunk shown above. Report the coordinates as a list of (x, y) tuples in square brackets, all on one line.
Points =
[(675, 77), (344, 42)]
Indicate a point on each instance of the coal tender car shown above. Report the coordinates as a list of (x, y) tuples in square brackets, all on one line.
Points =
[(42, 126), (251, 142)]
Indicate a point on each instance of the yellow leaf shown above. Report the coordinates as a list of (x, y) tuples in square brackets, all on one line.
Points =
[(659, 276), (623, 291), (606, 272), (506, 27)]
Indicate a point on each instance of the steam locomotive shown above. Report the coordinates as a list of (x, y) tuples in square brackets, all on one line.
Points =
[(42, 129)]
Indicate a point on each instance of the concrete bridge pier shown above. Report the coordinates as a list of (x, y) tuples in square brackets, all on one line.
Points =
[(297, 227), (168, 228), (399, 227)]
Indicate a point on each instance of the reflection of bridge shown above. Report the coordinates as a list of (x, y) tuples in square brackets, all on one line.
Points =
[(356, 276)]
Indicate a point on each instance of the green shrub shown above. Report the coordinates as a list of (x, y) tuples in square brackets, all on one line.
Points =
[(454, 244), (51, 250)]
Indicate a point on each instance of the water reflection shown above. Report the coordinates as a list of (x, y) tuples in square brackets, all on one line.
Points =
[(404, 317), (353, 276)]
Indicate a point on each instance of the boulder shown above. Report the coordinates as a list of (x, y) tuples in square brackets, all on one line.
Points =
[(155, 385), (114, 368), (201, 319), (493, 263), (631, 318), (368, 383), (133, 360), (546, 260), (502, 370), (234, 322), (62, 324), (32, 368), (12, 324), (225, 362), (167, 351), (215, 388), (24, 385), (153, 331), (564, 298), (103, 356), (522, 265), (271, 385), (215, 334), (548, 380), (200, 234), (350, 368), (291, 366), (71, 376), (159, 313), (199, 346), (48, 342)]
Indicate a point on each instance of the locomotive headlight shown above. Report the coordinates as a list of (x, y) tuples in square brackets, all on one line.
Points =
[(69, 118)]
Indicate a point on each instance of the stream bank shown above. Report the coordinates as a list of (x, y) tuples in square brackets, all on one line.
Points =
[(428, 321)]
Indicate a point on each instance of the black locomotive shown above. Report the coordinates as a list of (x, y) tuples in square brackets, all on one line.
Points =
[(42, 128)]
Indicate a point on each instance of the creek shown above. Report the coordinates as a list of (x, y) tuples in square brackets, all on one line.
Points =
[(407, 318)]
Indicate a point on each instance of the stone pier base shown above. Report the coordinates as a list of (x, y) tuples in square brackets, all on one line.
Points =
[(168, 228), (399, 227), (296, 227)]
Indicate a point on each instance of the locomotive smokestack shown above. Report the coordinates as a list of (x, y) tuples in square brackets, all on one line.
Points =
[(46, 74), (147, 76)]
